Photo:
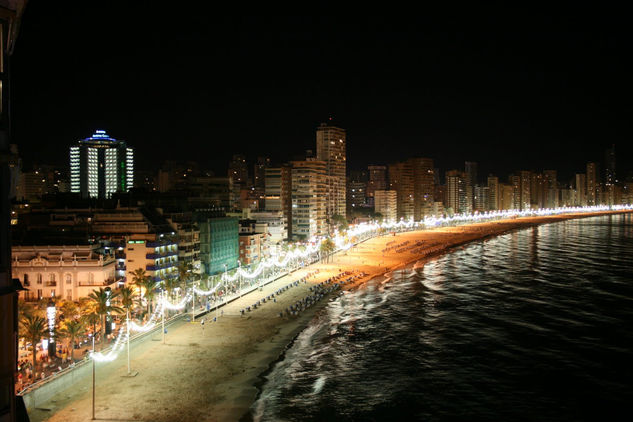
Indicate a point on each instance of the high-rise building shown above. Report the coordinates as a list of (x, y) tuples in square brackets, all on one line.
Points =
[(278, 194), (470, 170), (580, 198), (308, 196), (355, 195), (609, 166), (402, 181), (331, 149), (100, 166), (238, 171), (592, 184), (537, 190), (480, 198), (423, 187), (515, 183), (377, 181), (506, 196), (259, 171), (551, 188), (386, 204), (493, 193), (456, 191)]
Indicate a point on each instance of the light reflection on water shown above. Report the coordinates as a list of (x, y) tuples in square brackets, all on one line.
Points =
[(531, 325)]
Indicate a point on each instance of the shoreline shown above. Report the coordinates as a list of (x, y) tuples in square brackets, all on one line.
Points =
[(217, 375)]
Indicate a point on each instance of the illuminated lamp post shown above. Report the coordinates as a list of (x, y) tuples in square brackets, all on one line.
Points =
[(162, 311), (51, 311), (239, 275)]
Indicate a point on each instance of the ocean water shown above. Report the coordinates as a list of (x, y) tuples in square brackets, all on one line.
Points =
[(532, 325)]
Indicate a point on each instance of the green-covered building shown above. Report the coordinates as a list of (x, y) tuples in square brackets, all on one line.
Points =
[(219, 241)]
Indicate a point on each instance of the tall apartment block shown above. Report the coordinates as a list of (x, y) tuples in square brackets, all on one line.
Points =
[(550, 182), (309, 199), (386, 203), (377, 181), (493, 193), (100, 166), (278, 195), (331, 149), (238, 171), (470, 171), (456, 191), (423, 186), (592, 184), (581, 190), (401, 180), (609, 166), (526, 191)]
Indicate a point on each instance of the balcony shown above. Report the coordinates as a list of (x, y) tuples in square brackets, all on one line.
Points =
[(161, 255), (50, 284), (107, 282)]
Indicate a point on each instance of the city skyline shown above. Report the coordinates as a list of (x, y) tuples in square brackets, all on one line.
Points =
[(512, 96)]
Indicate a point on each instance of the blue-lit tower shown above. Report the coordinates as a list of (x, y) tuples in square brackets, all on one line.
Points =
[(101, 165)]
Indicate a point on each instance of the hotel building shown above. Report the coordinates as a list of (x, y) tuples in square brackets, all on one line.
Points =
[(101, 165)]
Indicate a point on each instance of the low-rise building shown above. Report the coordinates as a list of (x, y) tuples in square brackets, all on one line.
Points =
[(69, 272)]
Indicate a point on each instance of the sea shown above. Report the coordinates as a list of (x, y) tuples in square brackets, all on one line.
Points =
[(532, 325)]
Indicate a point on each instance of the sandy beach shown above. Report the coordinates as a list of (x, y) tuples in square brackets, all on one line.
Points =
[(210, 374)]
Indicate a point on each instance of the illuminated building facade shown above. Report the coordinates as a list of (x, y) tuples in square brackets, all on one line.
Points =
[(331, 149), (592, 184), (377, 181), (100, 166), (456, 191), (401, 180), (308, 196), (386, 204)]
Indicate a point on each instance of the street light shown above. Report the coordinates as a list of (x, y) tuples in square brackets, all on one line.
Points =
[(51, 311)]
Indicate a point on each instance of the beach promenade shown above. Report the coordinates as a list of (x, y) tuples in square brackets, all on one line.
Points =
[(210, 374)]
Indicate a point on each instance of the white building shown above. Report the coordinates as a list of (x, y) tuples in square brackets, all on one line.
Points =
[(70, 272), (308, 197)]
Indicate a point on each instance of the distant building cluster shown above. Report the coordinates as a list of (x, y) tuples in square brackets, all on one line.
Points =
[(101, 219)]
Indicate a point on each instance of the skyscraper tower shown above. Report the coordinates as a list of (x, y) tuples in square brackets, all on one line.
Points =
[(592, 184), (609, 166), (238, 171), (470, 169), (331, 149), (101, 165)]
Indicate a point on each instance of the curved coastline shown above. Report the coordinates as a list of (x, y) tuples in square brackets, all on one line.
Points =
[(216, 376), (512, 226)]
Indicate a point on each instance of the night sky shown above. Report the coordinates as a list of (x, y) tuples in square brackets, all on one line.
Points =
[(511, 89)]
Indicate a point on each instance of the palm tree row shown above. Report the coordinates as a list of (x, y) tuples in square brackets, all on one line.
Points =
[(75, 318)]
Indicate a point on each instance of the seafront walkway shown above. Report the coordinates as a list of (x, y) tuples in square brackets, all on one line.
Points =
[(209, 372)]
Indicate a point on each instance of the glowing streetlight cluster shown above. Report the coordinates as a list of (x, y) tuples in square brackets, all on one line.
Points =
[(342, 242)]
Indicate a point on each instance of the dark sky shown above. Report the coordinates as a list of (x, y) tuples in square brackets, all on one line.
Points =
[(511, 89)]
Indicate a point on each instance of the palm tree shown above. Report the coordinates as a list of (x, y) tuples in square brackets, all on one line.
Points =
[(144, 282), (72, 329), (89, 315), (171, 283), (327, 247), (149, 285), (34, 328), (127, 298), (103, 306), (184, 273), (69, 309)]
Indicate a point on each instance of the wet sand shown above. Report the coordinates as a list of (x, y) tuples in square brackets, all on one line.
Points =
[(211, 375)]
